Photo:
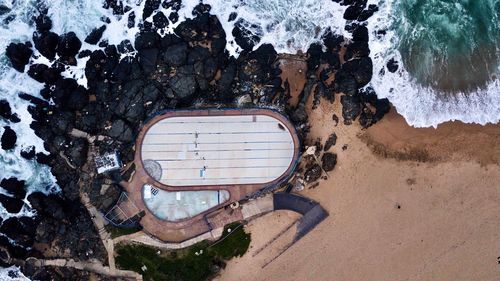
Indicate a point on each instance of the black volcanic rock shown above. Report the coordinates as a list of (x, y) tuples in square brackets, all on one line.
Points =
[(8, 139), (19, 55), (37, 71), (11, 204), (46, 43), (197, 54), (43, 158), (169, 40), (175, 55), (77, 151), (313, 173), (332, 41), (95, 35), (147, 60), (352, 12), (356, 49), (69, 95), (366, 14), (328, 161), (227, 78), (331, 141), (149, 7), (392, 65), (346, 83), (184, 86), (6, 112), (232, 16), (314, 52), (14, 186), (160, 20), (351, 108), (210, 68), (28, 152), (43, 23), (360, 33), (21, 230), (121, 131), (68, 45), (147, 40), (245, 38), (361, 69)]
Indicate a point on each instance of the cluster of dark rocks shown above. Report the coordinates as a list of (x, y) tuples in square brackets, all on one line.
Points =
[(130, 82), (187, 69)]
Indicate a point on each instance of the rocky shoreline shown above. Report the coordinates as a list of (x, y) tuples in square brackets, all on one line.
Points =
[(130, 82)]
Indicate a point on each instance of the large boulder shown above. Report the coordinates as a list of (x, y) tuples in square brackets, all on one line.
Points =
[(19, 55), (28, 152), (37, 72), (332, 41), (331, 141), (392, 65), (68, 45), (6, 112), (160, 20), (121, 131), (184, 86), (314, 55), (46, 43), (356, 49), (346, 83), (77, 151), (43, 23), (21, 230), (351, 108), (95, 35), (353, 12), (8, 139), (176, 55), (11, 204), (149, 7), (147, 40), (361, 69), (313, 173), (14, 186), (360, 33), (328, 161), (147, 60), (244, 37)]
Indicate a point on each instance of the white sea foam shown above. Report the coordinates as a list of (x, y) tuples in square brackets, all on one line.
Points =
[(423, 106), (289, 25), (12, 274)]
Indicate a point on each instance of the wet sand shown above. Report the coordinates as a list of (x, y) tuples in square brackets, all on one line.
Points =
[(404, 204)]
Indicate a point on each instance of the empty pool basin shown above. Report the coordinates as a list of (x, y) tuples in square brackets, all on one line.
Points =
[(181, 205)]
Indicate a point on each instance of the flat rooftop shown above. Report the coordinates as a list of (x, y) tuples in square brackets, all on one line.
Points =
[(217, 150)]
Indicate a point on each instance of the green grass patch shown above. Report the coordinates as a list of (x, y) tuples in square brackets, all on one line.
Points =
[(116, 231), (196, 263)]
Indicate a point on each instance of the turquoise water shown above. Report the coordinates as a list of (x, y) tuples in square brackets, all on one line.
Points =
[(449, 45)]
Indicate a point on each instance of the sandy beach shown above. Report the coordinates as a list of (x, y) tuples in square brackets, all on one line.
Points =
[(404, 204)]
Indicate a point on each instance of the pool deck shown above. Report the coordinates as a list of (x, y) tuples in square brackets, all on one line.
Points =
[(220, 215)]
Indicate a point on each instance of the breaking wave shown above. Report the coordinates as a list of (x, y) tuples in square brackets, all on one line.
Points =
[(447, 56)]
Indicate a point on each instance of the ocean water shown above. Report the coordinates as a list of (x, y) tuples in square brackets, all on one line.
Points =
[(447, 51), (15, 27), (449, 59)]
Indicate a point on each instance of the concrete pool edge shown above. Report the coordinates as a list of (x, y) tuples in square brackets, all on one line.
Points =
[(215, 217)]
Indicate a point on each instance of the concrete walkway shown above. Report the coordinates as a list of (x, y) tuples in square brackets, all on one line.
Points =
[(91, 266)]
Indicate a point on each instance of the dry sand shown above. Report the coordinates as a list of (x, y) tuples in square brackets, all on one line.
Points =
[(392, 217)]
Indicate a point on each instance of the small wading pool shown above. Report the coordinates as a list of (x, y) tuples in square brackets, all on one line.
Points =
[(180, 205)]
